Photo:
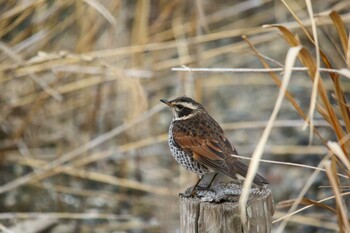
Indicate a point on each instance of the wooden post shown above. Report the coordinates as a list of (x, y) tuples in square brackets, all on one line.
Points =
[(217, 210)]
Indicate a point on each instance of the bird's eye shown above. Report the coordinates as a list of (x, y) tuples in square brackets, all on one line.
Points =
[(179, 107)]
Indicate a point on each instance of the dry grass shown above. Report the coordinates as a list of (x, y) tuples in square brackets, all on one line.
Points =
[(82, 132)]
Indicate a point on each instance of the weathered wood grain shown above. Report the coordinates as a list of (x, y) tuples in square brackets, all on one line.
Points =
[(217, 210)]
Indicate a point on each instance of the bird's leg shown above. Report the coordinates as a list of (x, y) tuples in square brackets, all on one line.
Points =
[(207, 181), (190, 192), (212, 180), (204, 177), (195, 186)]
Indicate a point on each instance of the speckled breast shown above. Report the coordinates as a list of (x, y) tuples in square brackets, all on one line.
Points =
[(184, 158)]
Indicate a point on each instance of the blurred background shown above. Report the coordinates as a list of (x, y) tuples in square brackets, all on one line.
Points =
[(83, 136)]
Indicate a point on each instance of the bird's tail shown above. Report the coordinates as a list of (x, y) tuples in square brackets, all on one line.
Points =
[(242, 169)]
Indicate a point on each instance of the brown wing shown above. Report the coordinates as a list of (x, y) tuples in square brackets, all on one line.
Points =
[(209, 148)]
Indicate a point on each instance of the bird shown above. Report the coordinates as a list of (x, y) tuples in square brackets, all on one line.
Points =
[(199, 144)]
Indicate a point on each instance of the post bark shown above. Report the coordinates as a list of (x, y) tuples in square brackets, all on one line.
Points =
[(217, 210)]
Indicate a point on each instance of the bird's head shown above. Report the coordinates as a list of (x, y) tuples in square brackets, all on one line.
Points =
[(184, 107)]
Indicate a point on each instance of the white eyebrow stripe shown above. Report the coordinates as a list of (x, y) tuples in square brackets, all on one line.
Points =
[(188, 105)]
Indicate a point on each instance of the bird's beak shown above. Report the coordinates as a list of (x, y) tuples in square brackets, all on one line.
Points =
[(166, 102)]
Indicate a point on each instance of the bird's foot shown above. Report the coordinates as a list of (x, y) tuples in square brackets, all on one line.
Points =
[(190, 192), (196, 191)]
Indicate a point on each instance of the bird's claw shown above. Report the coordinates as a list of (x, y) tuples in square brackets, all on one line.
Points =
[(193, 191)]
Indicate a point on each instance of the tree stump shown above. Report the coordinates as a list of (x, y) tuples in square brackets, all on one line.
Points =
[(217, 210)]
